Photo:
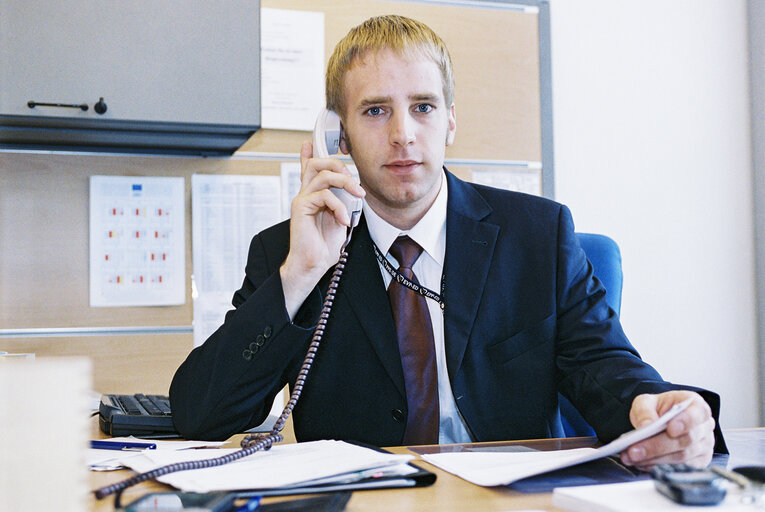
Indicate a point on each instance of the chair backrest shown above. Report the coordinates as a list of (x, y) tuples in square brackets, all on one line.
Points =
[(606, 261), (603, 253)]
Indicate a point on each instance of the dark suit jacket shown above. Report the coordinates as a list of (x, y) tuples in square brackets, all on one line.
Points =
[(524, 319)]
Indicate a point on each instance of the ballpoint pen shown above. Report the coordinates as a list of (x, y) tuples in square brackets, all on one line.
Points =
[(122, 445), (249, 505)]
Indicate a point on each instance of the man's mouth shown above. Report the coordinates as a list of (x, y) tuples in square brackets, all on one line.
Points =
[(402, 166)]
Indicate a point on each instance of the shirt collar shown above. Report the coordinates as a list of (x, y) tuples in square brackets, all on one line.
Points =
[(429, 232)]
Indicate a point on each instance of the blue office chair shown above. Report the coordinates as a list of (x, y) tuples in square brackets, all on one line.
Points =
[(606, 261)]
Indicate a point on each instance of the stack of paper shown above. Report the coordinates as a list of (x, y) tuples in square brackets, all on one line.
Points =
[(317, 463)]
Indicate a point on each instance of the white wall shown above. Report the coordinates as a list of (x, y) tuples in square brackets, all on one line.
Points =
[(757, 84), (652, 147)]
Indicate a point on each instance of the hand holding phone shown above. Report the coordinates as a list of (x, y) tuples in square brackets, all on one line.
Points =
[(326, 142)]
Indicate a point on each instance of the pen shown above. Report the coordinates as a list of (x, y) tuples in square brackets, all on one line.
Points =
[(733, 476), (121, 445), (251, 504)]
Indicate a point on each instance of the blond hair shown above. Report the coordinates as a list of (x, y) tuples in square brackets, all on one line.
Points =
[(398, 33)]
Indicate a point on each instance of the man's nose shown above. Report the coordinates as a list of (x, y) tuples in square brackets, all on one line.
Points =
[(402, 129)]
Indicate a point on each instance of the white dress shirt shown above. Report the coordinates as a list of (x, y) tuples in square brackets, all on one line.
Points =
[(430, 234)]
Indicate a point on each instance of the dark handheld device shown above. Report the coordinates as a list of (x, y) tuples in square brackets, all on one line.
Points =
[(688, 485), (234, 502), (183, 501)]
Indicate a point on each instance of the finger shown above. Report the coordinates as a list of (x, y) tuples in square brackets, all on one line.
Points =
[(697, 434), (644, 410), (310, 166), (697, 455), (328, 178), (318, 201), (338, 208), (306, 152), (697, 413), (696, 446)]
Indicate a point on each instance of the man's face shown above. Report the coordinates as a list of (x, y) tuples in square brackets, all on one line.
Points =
[(397, 127)]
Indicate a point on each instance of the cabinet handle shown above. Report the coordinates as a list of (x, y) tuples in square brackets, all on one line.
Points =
[(33, 104), (100, 107)]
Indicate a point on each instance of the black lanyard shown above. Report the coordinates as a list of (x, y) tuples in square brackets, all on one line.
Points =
[(403, 280)]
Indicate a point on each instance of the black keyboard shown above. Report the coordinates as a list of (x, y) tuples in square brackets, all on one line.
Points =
[(137, 415)]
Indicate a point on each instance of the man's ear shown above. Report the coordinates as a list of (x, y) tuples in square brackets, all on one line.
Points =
[(452, 126), (345, 147)]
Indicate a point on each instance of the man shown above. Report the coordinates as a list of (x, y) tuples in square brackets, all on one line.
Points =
[(522, 317)]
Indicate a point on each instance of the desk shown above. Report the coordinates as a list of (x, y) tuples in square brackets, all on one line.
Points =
[(449, 493)]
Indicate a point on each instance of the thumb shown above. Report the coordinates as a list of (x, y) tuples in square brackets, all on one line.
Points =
[(644, 410)]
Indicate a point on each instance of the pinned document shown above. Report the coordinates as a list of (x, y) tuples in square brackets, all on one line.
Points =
[(137, 241)]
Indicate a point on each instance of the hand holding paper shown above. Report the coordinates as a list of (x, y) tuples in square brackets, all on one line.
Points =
[(502, 468), (688, 438)]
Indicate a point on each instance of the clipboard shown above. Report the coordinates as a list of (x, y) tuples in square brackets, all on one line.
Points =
[(421, 478)]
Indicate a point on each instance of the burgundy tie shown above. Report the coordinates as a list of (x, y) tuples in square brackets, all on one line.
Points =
[(417, 348)]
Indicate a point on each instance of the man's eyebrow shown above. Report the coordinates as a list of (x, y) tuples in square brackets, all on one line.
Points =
[(424, 97), (374, 101), (377, 100)]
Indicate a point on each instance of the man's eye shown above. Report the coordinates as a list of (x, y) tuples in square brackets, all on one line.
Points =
[(424, 108), (374, 111)]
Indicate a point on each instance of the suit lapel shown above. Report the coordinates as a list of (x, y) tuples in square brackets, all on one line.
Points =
[(363, 284), (469, 251)]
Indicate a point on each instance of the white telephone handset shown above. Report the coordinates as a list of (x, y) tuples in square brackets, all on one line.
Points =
[(326, 142)]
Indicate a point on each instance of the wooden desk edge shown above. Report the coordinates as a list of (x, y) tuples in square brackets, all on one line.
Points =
[(449, 492)]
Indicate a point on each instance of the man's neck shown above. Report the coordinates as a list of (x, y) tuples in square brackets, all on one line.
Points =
[(429, 232)]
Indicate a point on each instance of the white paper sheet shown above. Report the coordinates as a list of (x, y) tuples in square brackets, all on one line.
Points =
[(290, 176), (292, 68), (227, 211), (282, 466), (137, 241), (634, 497), (109, 460), (528, 181), (502, 468)]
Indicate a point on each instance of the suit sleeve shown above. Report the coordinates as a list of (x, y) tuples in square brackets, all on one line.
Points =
[(599, 370), (227, 385)]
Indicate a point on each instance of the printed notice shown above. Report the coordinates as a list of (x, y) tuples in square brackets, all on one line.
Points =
[(290, 177), (227, 211), (518, 180), (137, 247), (292, 68)]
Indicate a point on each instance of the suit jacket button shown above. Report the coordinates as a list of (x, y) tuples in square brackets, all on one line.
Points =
[(260, 340), (247, 354), (398, 415), (267, 331)]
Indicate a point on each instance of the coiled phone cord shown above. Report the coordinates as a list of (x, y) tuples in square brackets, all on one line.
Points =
[(255, 442)]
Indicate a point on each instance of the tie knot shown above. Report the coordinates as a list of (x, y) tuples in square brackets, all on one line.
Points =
[(406, 251)]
